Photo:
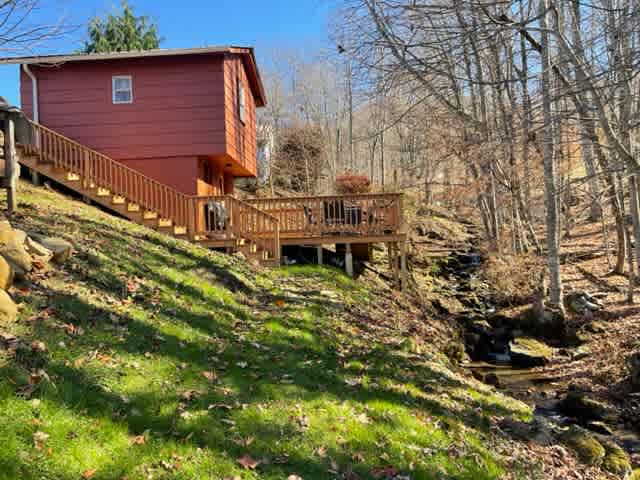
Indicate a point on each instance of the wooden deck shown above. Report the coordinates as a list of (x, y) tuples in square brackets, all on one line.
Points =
[(257, 227)]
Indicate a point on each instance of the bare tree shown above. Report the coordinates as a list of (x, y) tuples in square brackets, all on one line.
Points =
[(20, 32)]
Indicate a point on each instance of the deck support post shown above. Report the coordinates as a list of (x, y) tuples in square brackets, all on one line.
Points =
[(393, 263), (319, 250), (403, 266), (35, 178), (348, 259)]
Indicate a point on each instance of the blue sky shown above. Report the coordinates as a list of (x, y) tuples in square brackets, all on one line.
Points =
[(268, 25)]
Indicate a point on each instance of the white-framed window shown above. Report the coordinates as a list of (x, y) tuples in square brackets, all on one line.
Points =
[(242, 107), (122, 89)]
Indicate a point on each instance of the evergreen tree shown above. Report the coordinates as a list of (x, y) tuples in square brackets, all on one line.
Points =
[(121, 32)]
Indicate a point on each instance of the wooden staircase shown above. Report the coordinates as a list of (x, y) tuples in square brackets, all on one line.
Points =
[(148, 202)]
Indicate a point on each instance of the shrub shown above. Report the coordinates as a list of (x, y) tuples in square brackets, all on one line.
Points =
[(349, 184)]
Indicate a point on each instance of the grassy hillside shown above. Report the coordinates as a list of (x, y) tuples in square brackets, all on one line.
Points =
[(163, 360)]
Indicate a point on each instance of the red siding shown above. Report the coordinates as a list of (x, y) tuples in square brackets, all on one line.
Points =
[(183, 107), (164, 170), (240, 138)]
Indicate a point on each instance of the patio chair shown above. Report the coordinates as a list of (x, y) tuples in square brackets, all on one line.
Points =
[(308, 213)]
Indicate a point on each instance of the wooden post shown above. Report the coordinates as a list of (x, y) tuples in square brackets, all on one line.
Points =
[(35, 178), (319, 250), (393, 258), (10, 162), (348, 258), (403, 266)]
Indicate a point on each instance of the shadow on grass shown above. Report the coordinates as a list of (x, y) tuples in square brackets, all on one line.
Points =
[(265, 365)]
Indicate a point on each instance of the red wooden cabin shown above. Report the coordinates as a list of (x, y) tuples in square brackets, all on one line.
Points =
[(185, 117), (158, 137)]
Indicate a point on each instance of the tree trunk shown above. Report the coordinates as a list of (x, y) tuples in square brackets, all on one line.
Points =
[(548, 153)]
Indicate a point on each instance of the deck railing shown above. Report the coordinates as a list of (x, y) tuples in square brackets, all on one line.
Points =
[(262, 220), (226, 217), (367, 214)]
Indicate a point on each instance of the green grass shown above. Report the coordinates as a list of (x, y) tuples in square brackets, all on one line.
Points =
[(164, 360)]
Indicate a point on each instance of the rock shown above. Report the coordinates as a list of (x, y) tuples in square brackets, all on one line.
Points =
[(37, 250), (454, 350), (481, 327), (545, 322), (599, 427), (633, 362), (581, 353), (8, 309), (581, 302), (6, 274), (13, 250), (616, 459), (595, 327), (578, 405), (587, 447), (61, 249), (492, 379), (538, 430), (528, 353)]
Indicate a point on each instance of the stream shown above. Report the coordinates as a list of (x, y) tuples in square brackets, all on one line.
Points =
[(488, 342)]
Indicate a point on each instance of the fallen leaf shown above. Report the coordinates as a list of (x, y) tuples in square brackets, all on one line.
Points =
[(190, 394), (87, 474), (386, 472), (211, 376), (38, 346), (39, 439), (249, 463)]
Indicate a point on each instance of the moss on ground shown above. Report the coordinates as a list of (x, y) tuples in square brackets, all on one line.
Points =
[(165, 360), (616, 460), (588, 449)]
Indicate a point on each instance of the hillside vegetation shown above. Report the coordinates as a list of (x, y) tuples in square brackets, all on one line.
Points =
[(147, 357)]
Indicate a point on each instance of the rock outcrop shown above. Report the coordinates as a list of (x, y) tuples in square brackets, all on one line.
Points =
[(20, 253), (60, 248), (633, 363)]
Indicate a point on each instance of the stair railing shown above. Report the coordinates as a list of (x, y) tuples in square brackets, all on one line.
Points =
[(99, 171), (192, 212)]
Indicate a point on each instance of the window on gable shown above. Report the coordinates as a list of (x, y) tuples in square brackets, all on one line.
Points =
[(122, 89), (242, 108)]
